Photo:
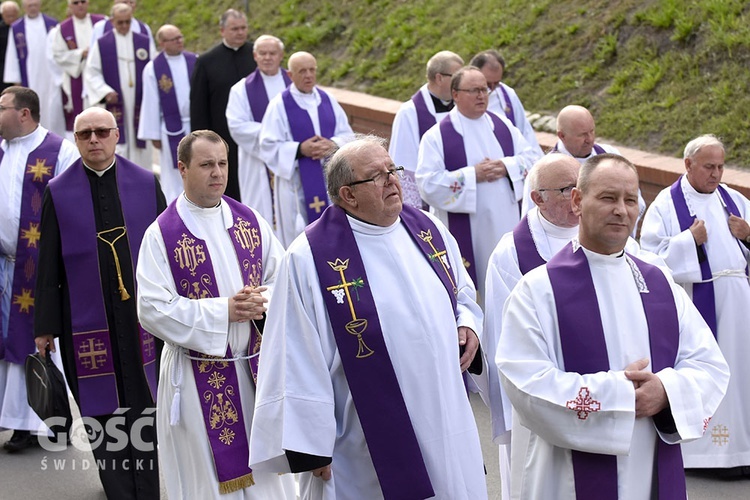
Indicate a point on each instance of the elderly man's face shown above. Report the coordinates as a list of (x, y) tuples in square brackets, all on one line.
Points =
[(268, 56), (235, 31), (10, 14), (32, 8), (121, 21), (493, 73), (303, 72), (705, 170), (471, 96), (555, 190), (205, 179), (172, 41), (97, 150), (380, 201), (608, 210), (579, 136), (79, 8)]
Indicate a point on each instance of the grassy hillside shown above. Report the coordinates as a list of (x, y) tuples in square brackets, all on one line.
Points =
[(655, 73)]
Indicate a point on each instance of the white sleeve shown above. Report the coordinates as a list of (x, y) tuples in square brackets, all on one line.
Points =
[(150, 124), (242, 126)]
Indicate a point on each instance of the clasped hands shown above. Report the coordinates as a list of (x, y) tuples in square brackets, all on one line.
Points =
[(248, 304)]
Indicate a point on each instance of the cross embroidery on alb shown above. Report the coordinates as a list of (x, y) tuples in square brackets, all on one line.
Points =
[(584, 404)]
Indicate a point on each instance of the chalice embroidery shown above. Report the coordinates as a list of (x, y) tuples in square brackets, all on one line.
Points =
[(356, 326)]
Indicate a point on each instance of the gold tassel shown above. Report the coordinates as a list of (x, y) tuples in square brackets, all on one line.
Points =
[(124, 295), (236, 484)]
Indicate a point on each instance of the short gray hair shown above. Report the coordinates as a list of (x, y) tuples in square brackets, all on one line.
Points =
[(694, 146), (233, 13), (441, 63), (339, 170), (267, 38)]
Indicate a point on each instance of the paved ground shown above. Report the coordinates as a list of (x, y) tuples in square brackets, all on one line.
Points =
[(68, 474)]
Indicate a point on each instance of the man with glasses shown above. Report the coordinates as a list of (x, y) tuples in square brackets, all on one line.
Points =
[(502, 99), (26, 62), (114, 78), (30, 156), (165, 111), (247, 105), (360, 378), (302, 125), (93, 220), (426, 107), (70, 49), (104, 26), (606, 361), (470, 171)]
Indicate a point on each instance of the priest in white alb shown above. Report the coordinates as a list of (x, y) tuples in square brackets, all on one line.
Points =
[(360, 380), (165, 110), (248, 100), (204, 269), (113, 78), (700, 227), (470, 171), (605, 359), (302, 125)]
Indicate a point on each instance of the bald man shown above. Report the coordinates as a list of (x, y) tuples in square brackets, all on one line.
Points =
[(302, 125)]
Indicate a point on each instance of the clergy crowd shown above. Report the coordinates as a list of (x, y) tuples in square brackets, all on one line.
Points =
[(284, 308)]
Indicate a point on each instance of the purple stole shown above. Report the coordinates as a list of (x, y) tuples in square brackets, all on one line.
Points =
[(67, 30), (257, 96), (425, 119), (454, 154), (108, 52), (585, 351), (19, 36), (369, 372), (526, 251), (311, 171), (109, 27), (216, 380), (703, 293), (168, 99), (39, 169), (508, 105), (71, 193)]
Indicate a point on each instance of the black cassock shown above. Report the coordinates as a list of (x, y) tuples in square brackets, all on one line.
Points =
[(215, 72), (130, 472)]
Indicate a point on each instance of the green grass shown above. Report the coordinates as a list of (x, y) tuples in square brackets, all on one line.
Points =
[(654, 73)]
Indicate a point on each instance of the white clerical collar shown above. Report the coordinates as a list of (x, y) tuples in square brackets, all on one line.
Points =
[(195, 206), (599, 257), (99, 172), (25, 138), (229, 46), (173, 58), (360, 226), (689, 190), (297, 92), (272, 77), (563, 233)]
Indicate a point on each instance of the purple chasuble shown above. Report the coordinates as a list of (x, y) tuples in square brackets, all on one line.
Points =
[(369, 372), (311, 171), (454, 155), (19, 36), (38, 170), (257, 96), (508, 105), (71, 194), (111, 73), (215, 379), (170, 109), (526, 251), (425, 119), (585, 351), (67, 30), (703, 293)]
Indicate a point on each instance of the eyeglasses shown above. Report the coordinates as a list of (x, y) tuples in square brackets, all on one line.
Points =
[(475, 91), (382, 178), (179, 37), (101, 133), (449, 75), (3, 108), (76, 2), (565, 192)]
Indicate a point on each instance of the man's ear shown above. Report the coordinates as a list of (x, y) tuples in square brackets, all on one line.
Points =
[(537, 198), (346, 196), (575, 201)]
